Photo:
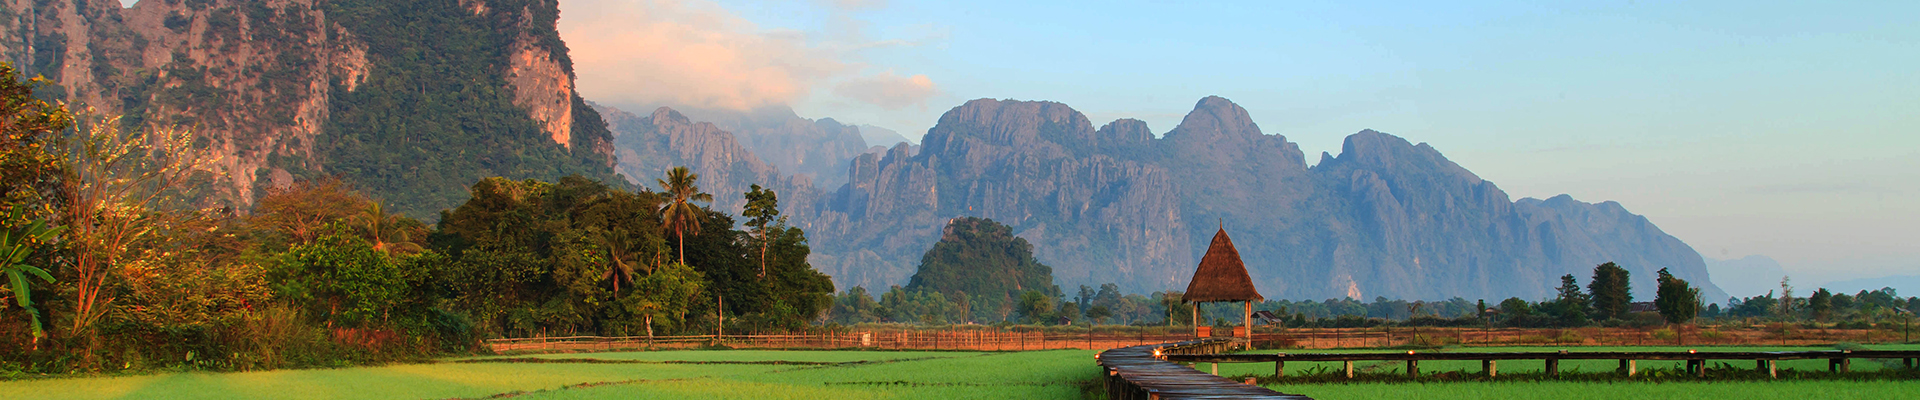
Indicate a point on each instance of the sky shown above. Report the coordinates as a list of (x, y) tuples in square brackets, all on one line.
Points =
[(1784, 129)]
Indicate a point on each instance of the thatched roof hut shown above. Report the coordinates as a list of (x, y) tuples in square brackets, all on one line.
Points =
[(1221, 276)]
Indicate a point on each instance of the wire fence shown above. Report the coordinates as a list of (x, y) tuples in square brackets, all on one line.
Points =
[(1035, 338)]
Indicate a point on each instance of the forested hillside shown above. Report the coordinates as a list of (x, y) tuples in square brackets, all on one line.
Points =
[(410, 101)]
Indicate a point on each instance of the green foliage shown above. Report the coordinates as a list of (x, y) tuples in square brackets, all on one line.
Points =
[(1677, 300), (1820, 304), (436, 112), (341, 278), (1571, 307), (980, 257), (17, 243), (30, 126), (1611, 295)]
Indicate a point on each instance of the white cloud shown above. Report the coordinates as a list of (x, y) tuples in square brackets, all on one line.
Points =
[(888, 91), (696, 53)]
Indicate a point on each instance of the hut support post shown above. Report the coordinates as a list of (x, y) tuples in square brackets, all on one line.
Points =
[(1348, 367), (1413, 369), (1553, 367), (1629, 367), (1279, 369), (1247, 320), (1196, 319), (1491, 367)]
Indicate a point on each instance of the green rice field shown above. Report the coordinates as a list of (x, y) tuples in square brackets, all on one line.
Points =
[(772, 374), (722, 374)]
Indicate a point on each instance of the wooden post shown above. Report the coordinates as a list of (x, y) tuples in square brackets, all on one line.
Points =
[(1413, 369), (1553, 367), (1773, 371), (1216, 368), (1491, 367), (1196, 319), (1833, 365), (1846, 365), (1349, 368), (1279, 369), (1629, 367), (1247, 319), (1697, 367)]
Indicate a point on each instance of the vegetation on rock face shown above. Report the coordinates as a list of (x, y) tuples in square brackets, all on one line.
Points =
[(318, 274), (436, 113), (981, 260)]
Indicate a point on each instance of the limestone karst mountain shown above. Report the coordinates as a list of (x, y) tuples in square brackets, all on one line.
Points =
[(1114, 204), (409, 101), (815, 149)]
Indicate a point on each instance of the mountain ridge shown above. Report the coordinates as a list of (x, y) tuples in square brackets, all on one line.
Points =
[(1117, 205)]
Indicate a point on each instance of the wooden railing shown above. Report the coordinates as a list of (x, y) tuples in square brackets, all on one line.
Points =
[(1839, 361), (1143, 372), (929, 339)]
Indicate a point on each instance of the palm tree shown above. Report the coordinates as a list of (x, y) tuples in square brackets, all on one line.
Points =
[(679, 213), (621, 250), (16, 243), (386, 230)]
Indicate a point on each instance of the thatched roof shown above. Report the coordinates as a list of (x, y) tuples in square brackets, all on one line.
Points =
[(1221, 276)]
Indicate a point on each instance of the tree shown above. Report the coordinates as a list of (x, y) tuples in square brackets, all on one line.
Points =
[(1085, 301), (1821, 303), (1516, 310), (762, 209), (301, 211), (388, 232), (664, 295), (28, 127), (1677, 300), (679, 213), (114, 180), (1571, 305), (1612, 296), (1099, 314), (1036, 307), (1786, 297), (16, 244)]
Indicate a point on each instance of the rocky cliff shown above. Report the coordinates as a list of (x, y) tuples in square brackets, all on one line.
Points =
[(1114, 204), (281, 88), (650, 145), (817, 150)]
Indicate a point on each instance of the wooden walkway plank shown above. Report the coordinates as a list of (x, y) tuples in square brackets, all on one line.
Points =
[(1136, 373)]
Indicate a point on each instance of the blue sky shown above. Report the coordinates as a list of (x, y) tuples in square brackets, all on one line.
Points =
[(1753, 127), (1783, 129)]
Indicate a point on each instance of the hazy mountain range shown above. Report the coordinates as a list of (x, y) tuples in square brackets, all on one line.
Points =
[(1117, 204), (307, 88)]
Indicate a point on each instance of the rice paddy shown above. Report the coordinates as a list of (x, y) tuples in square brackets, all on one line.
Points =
[(718, 374), (773, 374)]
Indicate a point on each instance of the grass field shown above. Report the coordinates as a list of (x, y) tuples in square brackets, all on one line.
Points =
[(770, 374), (727, 374)]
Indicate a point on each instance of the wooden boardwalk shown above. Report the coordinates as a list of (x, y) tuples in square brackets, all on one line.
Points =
[(1140, 372), (1839, 361)]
